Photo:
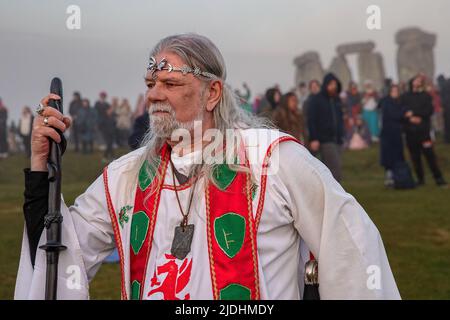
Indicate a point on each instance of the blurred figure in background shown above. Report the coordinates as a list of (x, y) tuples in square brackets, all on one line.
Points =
[(3, 130), (25, 126), (140, 107), (387, 87), (74, 107), (369, 109), (88, 120), (353, 105), (123, 117), (326, 125), (391, 141), (256, 103), (444, 90), (358, 136), (270, 102), (109, 129), (352, 110), (419, 104), (101, 108), (140, 127), (13, 144), (437, 124), (288, 117), (314, 89), (115, 106), (302, 95), (244, 98)]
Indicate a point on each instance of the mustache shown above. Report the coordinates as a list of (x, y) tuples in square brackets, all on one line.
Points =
[(160, 107)]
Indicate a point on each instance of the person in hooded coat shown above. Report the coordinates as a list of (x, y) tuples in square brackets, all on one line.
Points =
[(269, 103), (326, 124)]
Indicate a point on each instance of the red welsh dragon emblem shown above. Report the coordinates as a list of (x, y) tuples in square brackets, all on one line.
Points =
[(175, 281)]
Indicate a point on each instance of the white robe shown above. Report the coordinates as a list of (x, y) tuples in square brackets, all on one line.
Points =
[(304, 209)]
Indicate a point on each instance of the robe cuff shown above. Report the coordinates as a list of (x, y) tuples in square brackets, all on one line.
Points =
[(35, 207)]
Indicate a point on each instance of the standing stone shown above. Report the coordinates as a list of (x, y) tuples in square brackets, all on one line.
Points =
[(309, 67), (340, 68), (415, 53), (371, 67), (355, 47)]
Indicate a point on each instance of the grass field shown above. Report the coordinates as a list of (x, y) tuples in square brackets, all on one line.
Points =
[(414, 224)]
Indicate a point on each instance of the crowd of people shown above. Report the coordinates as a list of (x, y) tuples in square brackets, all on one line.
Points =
[(104, 125), (328, 119), (321, 114)]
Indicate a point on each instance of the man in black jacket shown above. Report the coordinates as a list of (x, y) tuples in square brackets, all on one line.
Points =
[(326, 124), (417, 129)]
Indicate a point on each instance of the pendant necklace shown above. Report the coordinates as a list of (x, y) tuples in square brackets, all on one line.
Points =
[(183, 234)]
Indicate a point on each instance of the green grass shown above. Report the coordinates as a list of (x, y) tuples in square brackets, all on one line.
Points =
[(414, 224)]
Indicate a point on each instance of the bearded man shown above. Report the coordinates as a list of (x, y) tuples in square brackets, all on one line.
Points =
[(192, 223)]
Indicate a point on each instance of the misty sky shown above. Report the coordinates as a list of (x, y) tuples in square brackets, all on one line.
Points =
[(259, 40)]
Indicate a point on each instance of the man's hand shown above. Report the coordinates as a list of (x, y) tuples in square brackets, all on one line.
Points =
[(40, 144), (314, 145)]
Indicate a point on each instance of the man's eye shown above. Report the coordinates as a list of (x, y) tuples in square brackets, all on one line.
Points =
[(170, 84), (150, 85)]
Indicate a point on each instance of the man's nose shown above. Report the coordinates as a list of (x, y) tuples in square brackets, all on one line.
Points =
[(155, 94)]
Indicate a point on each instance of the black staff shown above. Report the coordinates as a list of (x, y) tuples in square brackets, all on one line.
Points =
[(53, 219)]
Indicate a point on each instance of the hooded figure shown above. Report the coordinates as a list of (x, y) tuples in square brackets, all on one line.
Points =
[(326, 124), (325, 121)]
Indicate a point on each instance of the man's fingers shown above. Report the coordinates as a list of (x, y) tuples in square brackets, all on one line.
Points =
[(49, 112), (45, 100), (49, 133), (67, 122), (55, 123)]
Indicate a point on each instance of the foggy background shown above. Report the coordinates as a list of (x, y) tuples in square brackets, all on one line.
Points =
[(258, 38)]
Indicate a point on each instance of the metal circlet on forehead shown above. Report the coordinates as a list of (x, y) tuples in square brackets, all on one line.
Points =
[(153, 66)]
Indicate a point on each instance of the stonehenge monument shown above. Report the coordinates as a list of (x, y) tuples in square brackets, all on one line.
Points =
[(415, 54)]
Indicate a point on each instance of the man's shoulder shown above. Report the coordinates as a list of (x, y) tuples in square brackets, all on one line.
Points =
[(127, 160)]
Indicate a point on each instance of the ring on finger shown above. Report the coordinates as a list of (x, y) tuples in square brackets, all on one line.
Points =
[(46, 121), (40, 109)]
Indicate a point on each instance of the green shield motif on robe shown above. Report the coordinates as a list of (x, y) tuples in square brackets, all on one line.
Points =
[(235, 291), (223, 176), (139, 228), (229, 231), (147, 173)]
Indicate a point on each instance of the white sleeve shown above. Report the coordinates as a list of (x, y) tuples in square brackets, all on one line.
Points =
[(93, 226), (347, 245), (88, 235)]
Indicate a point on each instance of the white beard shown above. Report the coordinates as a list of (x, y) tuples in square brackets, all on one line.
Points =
[(164, 126)]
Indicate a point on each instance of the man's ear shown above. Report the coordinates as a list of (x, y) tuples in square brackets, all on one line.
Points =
[(214, 89)]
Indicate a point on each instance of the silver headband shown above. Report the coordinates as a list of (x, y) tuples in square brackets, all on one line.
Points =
[(153, 66)]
